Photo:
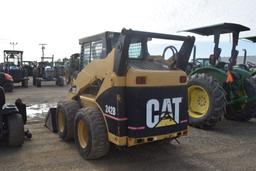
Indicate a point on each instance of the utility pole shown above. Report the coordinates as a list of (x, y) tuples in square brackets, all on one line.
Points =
[(43, 48), (13, 44)]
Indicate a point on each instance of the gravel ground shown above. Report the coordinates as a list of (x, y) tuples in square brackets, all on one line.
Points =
[(48, 93), (230, 146)]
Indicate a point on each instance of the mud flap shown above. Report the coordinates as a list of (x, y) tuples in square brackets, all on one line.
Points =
[(50, 120)]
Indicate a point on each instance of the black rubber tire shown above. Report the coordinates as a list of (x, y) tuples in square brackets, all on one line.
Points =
[(217, 104), (54, 121), (249, 109), (60, 82), (8, 87), (25, 83), (38, 82), (98, 144), (50, 120), (15, 130), (34, 81), (69, 109), (57, 81)]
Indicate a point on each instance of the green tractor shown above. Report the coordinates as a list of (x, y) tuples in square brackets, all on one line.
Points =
[(220, 89), (72, 67)]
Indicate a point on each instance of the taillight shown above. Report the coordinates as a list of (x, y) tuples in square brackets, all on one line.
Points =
[(8, 77), (183, 79), (140, 80)]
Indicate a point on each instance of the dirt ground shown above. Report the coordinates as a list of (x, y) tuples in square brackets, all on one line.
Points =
[(48, 93), (230, 146)]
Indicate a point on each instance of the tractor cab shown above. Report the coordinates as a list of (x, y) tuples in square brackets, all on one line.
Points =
[(29, 66), (13, 65), (217, 31), (46, 68), (46, 71)]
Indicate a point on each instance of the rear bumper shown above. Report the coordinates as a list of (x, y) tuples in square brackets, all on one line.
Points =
[(139, 133), (131, 141), (137, 141)]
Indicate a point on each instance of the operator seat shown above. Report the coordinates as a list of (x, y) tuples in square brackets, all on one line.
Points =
[(215, 57)]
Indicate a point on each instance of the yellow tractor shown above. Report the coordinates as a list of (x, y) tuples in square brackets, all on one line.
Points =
[(134, 95)]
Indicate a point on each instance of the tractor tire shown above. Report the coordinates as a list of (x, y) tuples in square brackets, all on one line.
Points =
[(91, 135), (34, 81), (207, 101), (8, 87), (60, 82), (66, 111), (38, 83), (15, 130), (25, 83), (248, 111), (35, 76)]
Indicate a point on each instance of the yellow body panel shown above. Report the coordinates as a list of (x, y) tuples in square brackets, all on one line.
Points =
[(97, 69), (154, 78), (120, 141), (111, 81), (103, 69), (87, 100)]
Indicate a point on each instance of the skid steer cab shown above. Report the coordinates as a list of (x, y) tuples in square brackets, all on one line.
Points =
[(13, 66), (136, 95)]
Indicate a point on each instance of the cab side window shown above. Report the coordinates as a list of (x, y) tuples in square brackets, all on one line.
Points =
[(135, 50), (96, 49), (92, 50), (86, 53)]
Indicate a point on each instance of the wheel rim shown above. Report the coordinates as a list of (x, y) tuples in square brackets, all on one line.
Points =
[(61, 121), (82, 133), (198, 101)]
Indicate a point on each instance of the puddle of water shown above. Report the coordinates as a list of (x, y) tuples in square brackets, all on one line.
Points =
[(39, 111)]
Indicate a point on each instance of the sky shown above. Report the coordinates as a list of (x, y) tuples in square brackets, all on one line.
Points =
[(61, 23)]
